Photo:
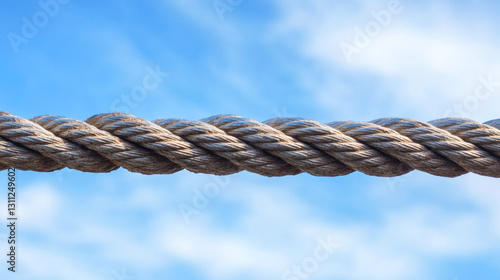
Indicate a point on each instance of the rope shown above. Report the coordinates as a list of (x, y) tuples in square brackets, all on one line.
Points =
[(227, 144)]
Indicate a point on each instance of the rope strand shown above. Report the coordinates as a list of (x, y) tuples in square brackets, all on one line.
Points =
[(227, 144)]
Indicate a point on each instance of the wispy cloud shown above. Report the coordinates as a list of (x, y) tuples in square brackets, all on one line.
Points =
[(414, 69)]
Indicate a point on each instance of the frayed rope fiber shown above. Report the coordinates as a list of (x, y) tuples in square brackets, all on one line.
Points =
[(227, 144)]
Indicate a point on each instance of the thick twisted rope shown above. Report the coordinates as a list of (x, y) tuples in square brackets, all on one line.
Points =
[(227, 144)]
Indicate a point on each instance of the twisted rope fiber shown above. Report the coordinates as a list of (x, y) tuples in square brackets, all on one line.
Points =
[(227, 144)]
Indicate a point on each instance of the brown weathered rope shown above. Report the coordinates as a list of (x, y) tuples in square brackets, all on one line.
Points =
[(227, 144)]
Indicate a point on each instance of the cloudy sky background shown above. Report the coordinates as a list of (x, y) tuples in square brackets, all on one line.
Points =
[(258, 59)]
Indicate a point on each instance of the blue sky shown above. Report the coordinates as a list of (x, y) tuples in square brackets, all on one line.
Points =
[(259, 59)]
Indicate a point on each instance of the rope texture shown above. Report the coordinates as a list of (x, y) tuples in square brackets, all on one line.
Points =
[(227, 144)]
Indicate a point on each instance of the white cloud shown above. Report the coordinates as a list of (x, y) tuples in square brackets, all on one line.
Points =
[(273, 236), (419, 70), (219, 254), (41, 262), (484, 192), (273, 229), (39, 206), (205, 15), (433, 232)]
